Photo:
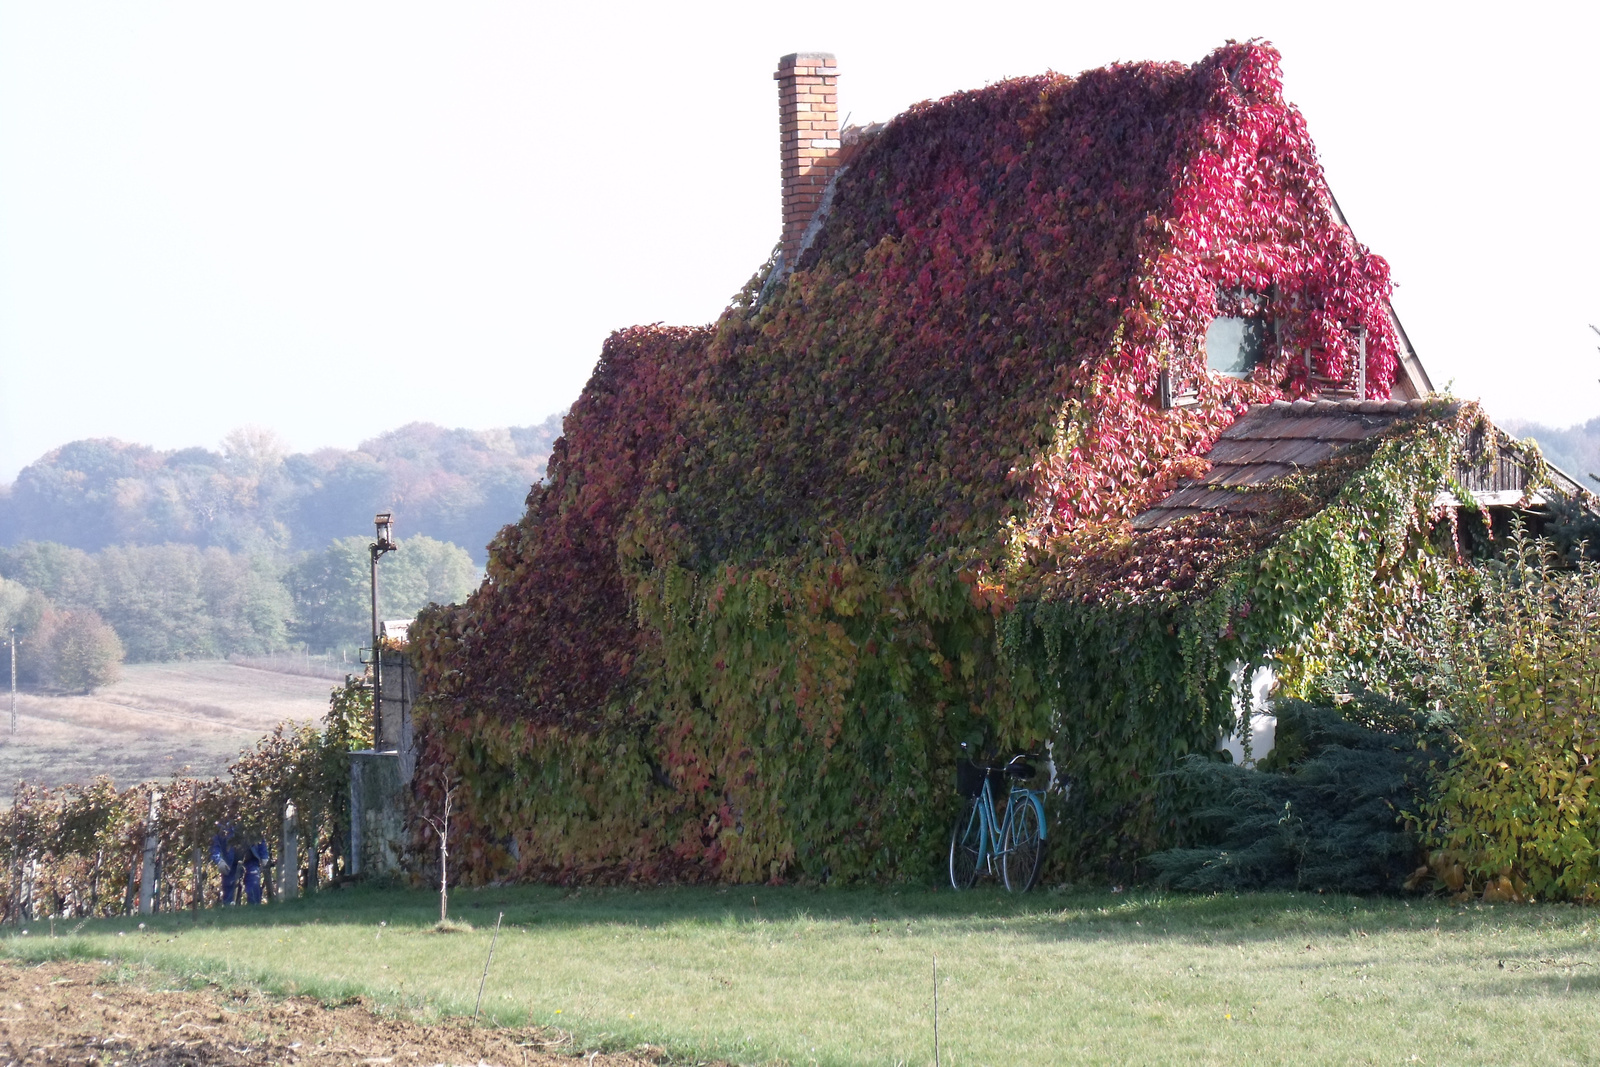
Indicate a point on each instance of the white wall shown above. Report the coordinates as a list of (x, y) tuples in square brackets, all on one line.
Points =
[(1263, 729)]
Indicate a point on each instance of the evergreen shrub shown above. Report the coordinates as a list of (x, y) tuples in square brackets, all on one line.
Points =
[(1326, 811)]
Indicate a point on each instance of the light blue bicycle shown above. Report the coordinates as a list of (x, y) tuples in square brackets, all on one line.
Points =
[(980, 837)]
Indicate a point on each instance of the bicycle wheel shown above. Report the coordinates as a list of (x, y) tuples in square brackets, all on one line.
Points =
[(966, 845), (1023, 849)]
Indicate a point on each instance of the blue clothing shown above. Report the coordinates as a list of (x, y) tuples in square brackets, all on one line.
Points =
[(241, 868), (252, 884), (254, 860), (226, 858)]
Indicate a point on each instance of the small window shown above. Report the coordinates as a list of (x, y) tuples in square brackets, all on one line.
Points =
[(1235, 345)]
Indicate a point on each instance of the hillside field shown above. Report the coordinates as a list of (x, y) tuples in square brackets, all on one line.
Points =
[(159, 721), (764, 975)]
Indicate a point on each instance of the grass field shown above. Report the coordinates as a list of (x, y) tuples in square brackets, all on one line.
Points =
[(158, 720), (761, 975)]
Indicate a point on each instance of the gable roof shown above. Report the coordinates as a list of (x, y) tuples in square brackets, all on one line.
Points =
[(974, 338)]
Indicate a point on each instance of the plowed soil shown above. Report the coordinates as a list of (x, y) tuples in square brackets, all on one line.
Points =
[(92, 1013)]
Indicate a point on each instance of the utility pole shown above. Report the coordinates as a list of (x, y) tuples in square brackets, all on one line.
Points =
[(383, 543)]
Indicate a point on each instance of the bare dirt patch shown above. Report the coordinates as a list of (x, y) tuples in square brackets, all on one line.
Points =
[(96, 1013), (158, 720)]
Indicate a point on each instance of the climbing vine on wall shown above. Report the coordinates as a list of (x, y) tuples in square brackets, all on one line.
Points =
[(755, 606), (1126, 640)]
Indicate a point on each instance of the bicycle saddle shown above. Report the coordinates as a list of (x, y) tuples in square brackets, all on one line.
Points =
[(1018, 769)]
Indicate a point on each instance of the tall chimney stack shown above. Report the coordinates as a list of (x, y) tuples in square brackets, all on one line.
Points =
[(808, 112)]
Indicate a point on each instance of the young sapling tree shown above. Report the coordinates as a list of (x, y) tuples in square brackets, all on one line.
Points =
[(441, 826)]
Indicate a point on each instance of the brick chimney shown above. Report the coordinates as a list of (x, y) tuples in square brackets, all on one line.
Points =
[(808, 113)]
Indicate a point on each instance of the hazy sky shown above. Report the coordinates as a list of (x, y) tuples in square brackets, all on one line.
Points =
[(335, 218)]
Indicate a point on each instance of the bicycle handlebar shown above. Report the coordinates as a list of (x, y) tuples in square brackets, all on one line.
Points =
[(1020, 757)]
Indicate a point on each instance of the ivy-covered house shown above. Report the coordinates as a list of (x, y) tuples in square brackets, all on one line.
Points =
[(996, 450)]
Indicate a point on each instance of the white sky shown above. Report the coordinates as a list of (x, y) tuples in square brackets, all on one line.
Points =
[(335, 218)]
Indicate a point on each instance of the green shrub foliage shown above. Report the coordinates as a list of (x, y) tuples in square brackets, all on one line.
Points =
[(1325, 812), (84, 653), (784, 564), (1517, 812)]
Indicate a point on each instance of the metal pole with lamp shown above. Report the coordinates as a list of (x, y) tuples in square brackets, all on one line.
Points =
[(384, 543)]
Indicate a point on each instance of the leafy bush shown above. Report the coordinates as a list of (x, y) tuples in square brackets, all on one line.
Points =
[(1324, 812), (1517, 811), (71, 650), (83, 652)]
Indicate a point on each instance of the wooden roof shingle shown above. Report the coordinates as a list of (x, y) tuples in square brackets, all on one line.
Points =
[(1269, 442)]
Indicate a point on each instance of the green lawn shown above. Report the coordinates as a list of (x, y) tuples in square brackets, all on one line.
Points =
[(844, 977)]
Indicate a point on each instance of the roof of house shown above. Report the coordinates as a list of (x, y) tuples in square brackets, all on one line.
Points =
[(968, 354), (974, 339), (1269, 442), (1272, 441)]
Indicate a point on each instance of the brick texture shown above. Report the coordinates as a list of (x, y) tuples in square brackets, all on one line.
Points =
[(808, 122)]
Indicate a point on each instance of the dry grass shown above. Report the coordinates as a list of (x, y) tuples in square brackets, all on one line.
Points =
[(762, 975), (158, 720), (332, 668)]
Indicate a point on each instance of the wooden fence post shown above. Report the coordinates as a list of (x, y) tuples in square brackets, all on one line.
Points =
[(30, 870), (199, 879)]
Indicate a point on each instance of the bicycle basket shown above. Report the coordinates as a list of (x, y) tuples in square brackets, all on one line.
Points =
[(969, 778)]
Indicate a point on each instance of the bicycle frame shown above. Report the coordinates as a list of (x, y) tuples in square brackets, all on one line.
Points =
[(992, 828)]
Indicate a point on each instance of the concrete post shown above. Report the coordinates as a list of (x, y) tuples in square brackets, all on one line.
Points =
[(353, 867), (25, 875), (289, 856), (147, 870)]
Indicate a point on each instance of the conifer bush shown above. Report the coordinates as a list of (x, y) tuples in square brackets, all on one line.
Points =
[(1325, 811)]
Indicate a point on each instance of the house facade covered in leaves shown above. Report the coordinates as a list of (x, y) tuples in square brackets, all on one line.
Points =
[(938, 475)]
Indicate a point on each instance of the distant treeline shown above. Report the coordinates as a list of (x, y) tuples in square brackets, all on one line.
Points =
[(254, 497), (1575, 449), (75, 611)]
